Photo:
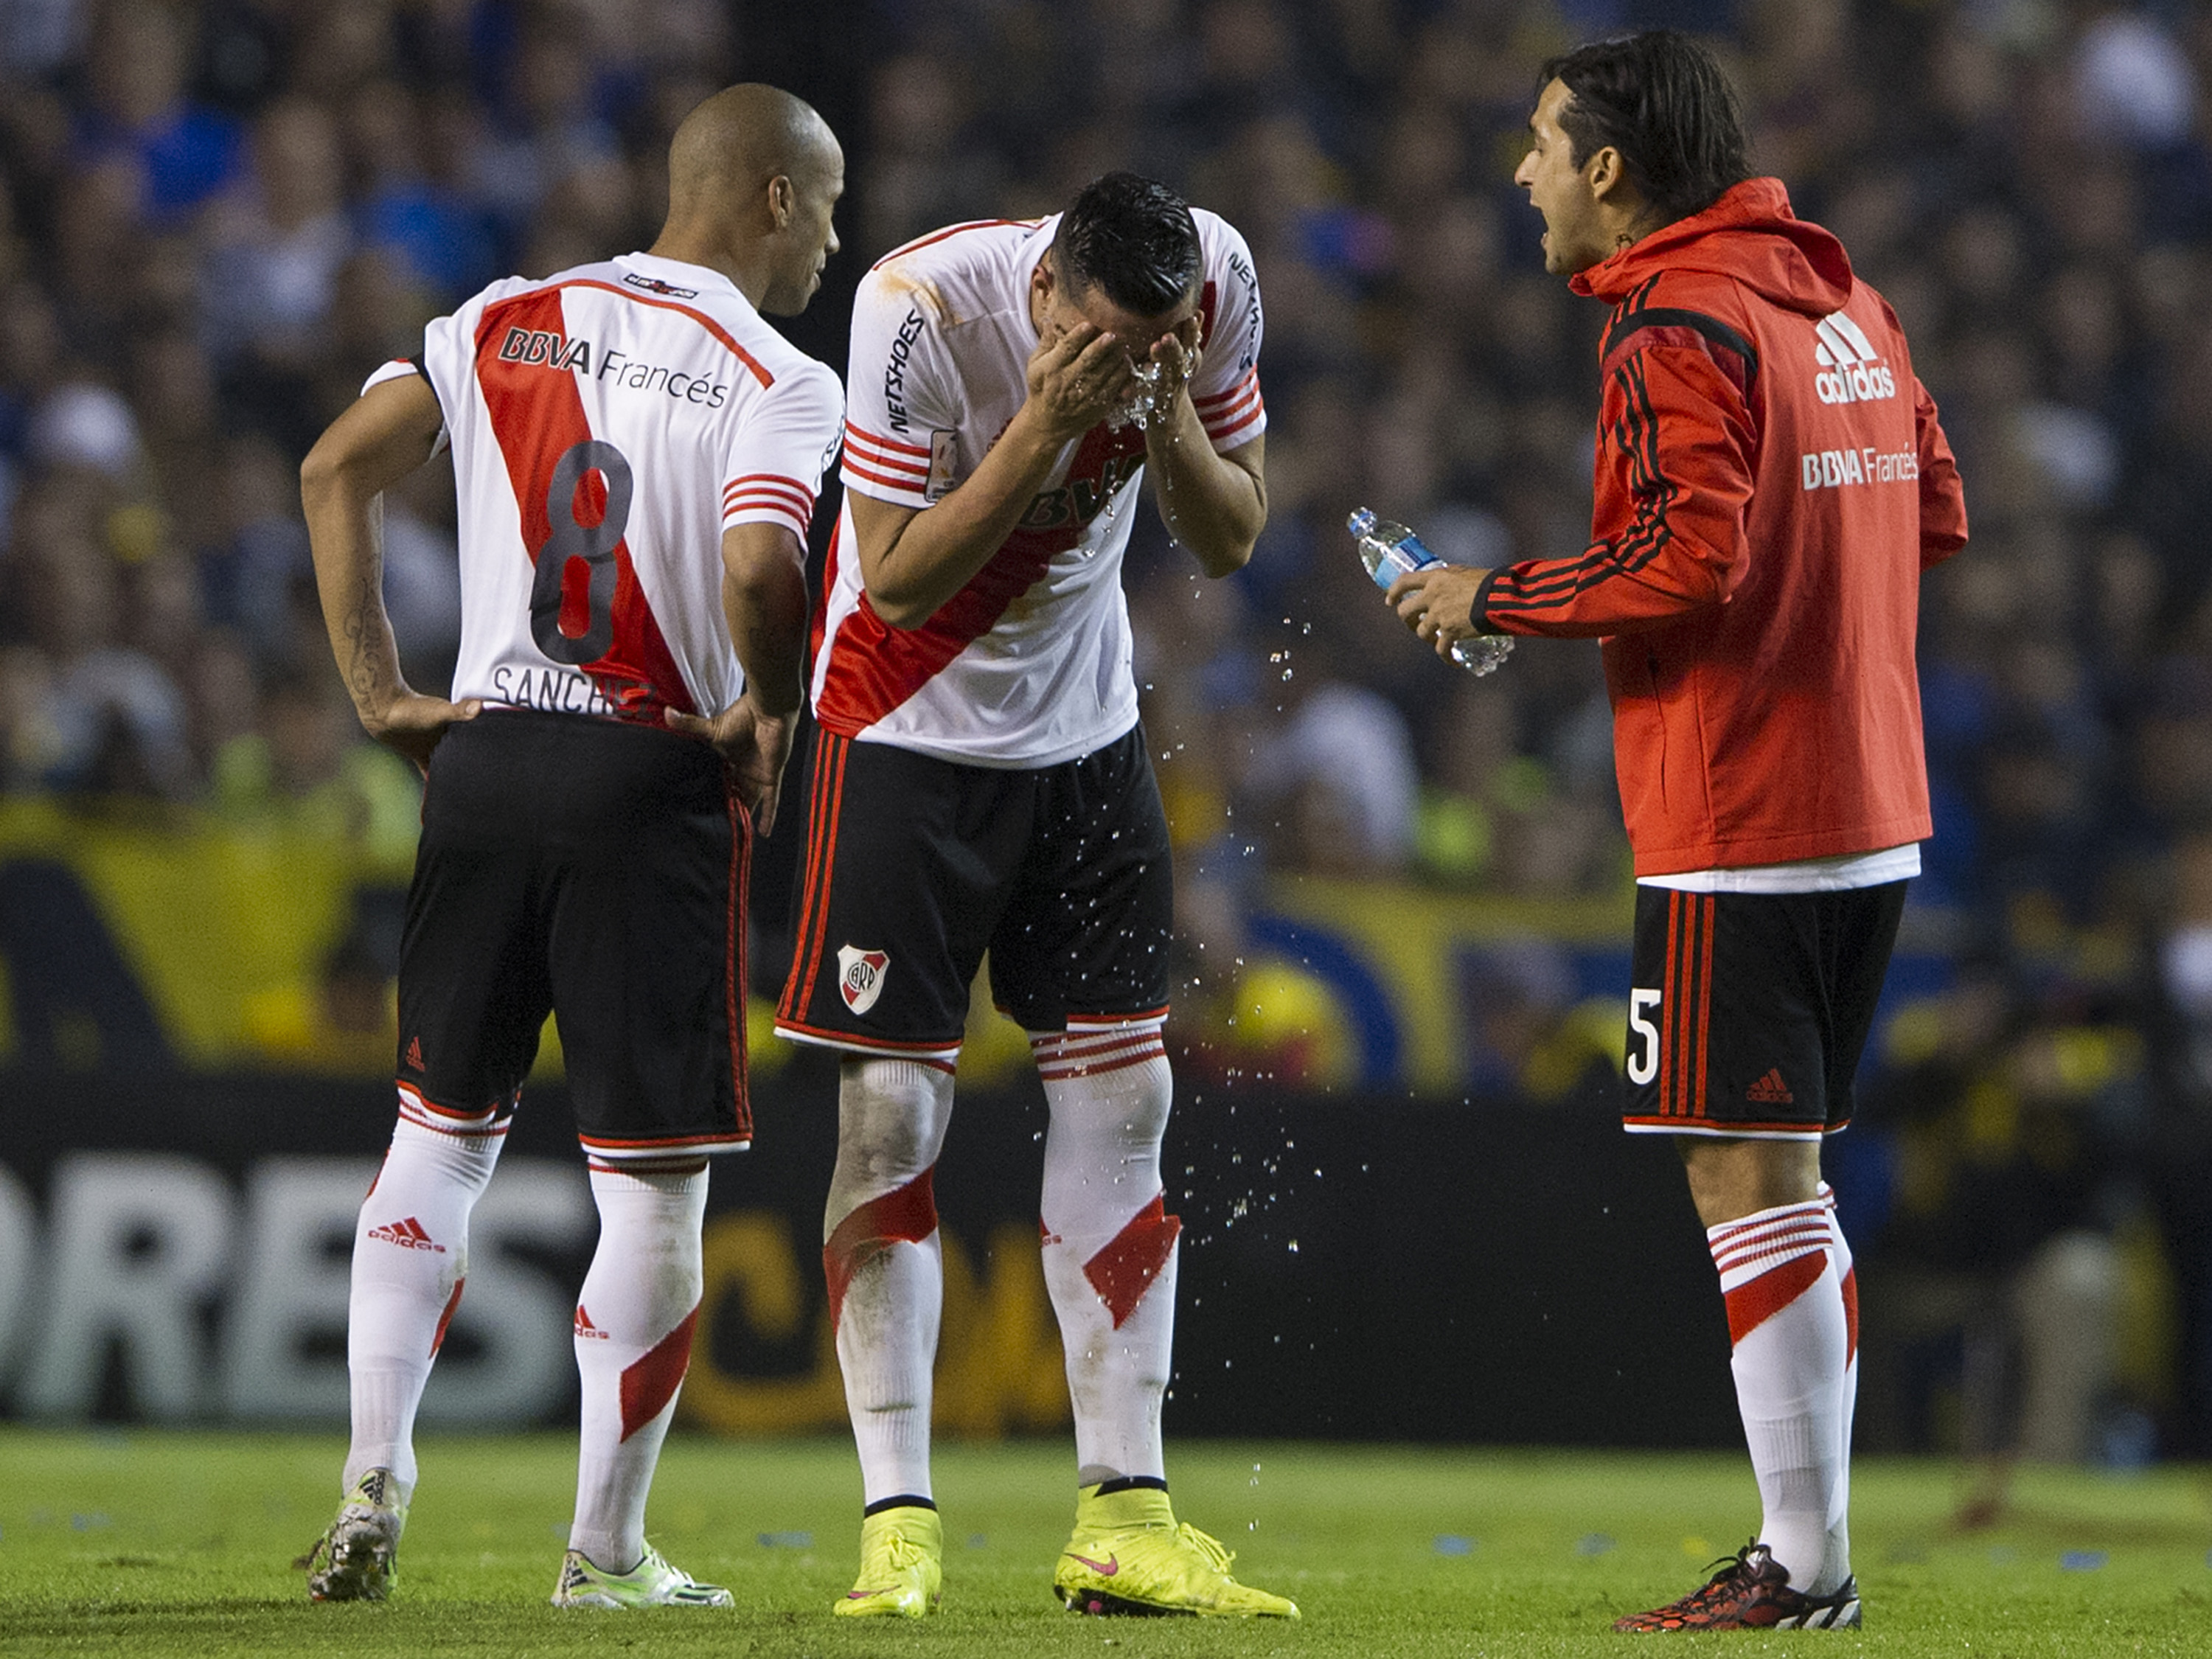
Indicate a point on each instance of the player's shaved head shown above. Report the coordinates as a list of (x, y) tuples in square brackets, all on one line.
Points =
[(754, 175), (740, 138)]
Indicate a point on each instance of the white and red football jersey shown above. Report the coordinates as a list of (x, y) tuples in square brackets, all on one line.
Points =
[(607, 425), (1029, 664)]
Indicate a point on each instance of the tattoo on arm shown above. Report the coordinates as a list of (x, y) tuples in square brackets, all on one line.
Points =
[(360, 634)]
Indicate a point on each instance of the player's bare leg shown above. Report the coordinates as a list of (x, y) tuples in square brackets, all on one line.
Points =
[(1732, 1177), (1109, 1264), (1770, 1227), (410, 1258), (882, 1258)]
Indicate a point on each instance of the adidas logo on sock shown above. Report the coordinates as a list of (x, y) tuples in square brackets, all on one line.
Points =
[(1771, 1089), (409, 1235), (584, 1327), (415, 1053)]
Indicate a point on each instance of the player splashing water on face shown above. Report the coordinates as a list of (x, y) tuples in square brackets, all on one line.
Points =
[(979, 783)]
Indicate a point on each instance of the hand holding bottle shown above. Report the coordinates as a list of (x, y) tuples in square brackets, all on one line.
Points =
[(1391, 552)]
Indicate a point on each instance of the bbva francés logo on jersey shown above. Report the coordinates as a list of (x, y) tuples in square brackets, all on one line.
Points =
[(861, 976), (1853, 372)]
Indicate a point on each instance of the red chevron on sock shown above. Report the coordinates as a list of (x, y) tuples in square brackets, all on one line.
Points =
[(905, 1216), (1124, 1268), (1753, 1303), (649, 1383)]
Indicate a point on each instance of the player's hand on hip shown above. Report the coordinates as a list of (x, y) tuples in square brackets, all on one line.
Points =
[(1079, 377), (411, 724), (1437, 602), (754, 744)]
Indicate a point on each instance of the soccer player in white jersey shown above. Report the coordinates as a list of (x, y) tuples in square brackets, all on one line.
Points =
[(979, 783), (636, 453)]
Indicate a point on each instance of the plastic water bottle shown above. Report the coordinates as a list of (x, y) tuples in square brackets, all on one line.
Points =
[(1389, 550)]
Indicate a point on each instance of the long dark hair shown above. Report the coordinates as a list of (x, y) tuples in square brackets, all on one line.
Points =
[(1660, 99), (1134, 239)]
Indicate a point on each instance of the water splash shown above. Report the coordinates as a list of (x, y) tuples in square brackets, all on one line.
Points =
[(1145, 406)]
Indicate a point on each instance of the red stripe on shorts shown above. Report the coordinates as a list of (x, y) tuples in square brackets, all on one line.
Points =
[(1706, 914), (1670, 1078), (814, 898)]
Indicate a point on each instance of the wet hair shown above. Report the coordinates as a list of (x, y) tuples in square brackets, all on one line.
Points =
[(1132, 239), (1661, 100)]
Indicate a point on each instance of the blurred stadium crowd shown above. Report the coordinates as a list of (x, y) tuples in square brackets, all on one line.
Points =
[(216, 218)]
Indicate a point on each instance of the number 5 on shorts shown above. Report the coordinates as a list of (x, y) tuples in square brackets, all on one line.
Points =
[(1643, 1037)]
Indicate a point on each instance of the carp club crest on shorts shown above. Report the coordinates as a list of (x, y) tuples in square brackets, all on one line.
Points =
[(861, 976)]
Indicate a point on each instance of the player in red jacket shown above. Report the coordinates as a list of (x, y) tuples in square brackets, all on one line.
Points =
[(1770, 483)]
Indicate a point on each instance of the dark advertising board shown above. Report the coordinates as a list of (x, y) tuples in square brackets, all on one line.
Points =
[(1355, 1266)]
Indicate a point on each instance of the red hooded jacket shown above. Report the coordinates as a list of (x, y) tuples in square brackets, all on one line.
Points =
[(1771, 482)]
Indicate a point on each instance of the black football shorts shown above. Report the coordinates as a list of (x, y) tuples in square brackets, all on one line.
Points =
[(915, 867), (1749, 1011), (595, 869)]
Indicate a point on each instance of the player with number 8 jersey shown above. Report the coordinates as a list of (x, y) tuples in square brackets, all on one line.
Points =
[(636, 457), (581, 593)]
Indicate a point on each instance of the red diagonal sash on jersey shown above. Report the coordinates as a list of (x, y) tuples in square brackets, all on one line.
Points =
[(537, 416), (874, 668)]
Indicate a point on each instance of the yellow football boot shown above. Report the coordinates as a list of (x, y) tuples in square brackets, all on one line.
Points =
[(1128, 1555), (901, 1566)]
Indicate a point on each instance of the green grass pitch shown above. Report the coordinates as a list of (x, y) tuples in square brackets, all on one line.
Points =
[(146, 1544)]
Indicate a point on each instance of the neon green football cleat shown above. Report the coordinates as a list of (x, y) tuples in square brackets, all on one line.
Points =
[(357, 1559), (1127, 1555), (651, 1583), (901, 1566)]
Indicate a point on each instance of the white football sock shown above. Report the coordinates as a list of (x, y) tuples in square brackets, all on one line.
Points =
[(884, 1263), (633, 1321), (1785, 1309), (411, 1256), (1837, 1565), (1110, 1245)]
